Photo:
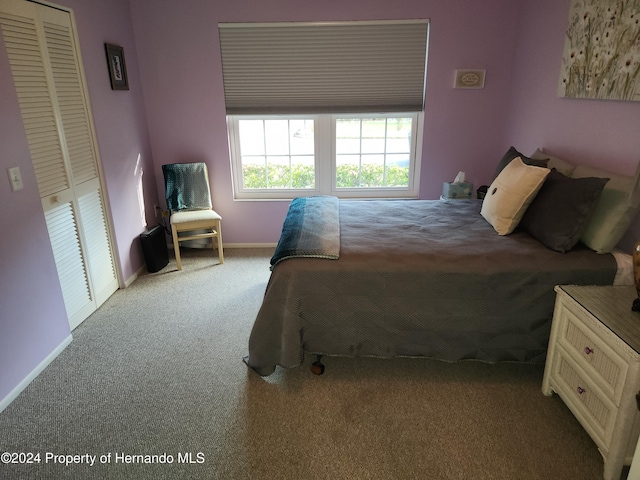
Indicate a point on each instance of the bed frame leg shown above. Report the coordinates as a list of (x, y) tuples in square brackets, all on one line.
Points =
[(317, 368)]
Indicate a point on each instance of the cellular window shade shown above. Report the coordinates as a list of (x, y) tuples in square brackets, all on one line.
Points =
[(324, 67)]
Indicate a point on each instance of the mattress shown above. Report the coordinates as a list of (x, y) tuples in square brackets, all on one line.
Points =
[(427, 278)]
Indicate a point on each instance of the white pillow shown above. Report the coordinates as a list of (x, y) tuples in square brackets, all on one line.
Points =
[(511, 193)]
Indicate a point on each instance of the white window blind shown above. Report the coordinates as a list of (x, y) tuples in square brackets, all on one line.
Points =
[(324, 67)]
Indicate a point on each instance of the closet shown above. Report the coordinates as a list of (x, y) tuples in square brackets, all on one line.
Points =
[(41, 44)]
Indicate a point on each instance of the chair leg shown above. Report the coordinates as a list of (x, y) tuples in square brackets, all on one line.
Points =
[(176, 246), (220, 252)]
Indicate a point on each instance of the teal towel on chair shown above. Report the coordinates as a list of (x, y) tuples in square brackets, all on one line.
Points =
[(186, 186)]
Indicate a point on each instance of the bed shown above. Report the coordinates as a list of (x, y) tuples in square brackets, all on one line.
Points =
[(413, 278)]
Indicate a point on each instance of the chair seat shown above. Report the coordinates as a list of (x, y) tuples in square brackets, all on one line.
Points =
[(188, 216)]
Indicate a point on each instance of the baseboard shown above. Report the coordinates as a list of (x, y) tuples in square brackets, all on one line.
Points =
[(237, 245), (249, 245), (13, 394), (134, 277)]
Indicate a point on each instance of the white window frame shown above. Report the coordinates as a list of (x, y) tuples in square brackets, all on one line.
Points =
[(325, 159)]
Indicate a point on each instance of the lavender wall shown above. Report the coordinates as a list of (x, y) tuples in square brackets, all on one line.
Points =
[(596, 132), (33, 320), (181, 73)]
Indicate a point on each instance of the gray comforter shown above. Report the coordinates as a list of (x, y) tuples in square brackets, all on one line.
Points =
[(418, 278)]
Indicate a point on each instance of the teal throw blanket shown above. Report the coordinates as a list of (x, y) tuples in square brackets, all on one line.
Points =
[(311, 229)]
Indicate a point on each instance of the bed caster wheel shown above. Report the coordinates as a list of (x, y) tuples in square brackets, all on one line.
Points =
[(317, 368)]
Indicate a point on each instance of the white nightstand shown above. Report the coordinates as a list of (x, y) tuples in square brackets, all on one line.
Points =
[(593, 364)]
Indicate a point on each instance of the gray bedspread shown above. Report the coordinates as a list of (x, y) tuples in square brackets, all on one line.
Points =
[(418, 278)]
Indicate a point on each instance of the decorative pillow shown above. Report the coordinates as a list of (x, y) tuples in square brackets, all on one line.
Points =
[(513, 153), (559, 214), (510, 194), (562, 166), (613, 212)]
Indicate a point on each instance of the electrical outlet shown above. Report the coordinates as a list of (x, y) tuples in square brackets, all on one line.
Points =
[(15, 178)]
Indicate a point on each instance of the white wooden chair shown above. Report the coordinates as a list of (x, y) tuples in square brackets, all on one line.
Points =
[(188, 198)]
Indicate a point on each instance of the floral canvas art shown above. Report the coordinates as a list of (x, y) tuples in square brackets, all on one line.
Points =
[(601, 56)]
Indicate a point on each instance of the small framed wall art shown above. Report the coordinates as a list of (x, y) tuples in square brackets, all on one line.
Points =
[(469, 79), (117, 67)]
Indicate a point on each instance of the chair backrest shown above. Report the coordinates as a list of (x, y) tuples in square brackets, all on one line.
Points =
[(186, 186)]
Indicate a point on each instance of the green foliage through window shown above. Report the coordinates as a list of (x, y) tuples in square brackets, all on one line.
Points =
[(347, 176), (279, 176)]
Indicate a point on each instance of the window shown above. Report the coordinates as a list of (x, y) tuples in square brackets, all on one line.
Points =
[(344, 155), (287, 86), (373, 152), (277, 153)]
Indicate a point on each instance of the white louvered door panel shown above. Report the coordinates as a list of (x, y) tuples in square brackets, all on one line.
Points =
[(46, 69), (70, 97), (65, 242), (98, 252)]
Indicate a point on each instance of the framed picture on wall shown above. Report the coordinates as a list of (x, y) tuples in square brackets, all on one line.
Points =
[(601, 56), (117, 67)]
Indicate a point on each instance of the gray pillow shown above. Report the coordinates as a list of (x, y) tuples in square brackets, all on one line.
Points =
[(513, 153), (560, 164), (561, 211)]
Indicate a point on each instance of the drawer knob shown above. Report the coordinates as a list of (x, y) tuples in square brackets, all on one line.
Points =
[(581, 390), (588, 350)]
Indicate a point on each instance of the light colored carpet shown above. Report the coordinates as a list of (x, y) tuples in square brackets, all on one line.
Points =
[(158, 370)]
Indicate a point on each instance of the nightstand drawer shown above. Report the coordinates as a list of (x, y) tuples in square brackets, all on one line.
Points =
[(596, 412), (602, 363)]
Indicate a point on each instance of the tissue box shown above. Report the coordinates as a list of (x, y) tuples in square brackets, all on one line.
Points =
[(457, 190)]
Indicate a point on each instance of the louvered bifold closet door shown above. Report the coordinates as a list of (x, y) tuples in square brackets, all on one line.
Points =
[(45, 66), (80, 147)]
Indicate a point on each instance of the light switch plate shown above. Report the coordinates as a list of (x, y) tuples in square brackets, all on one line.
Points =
[(15, 178)]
